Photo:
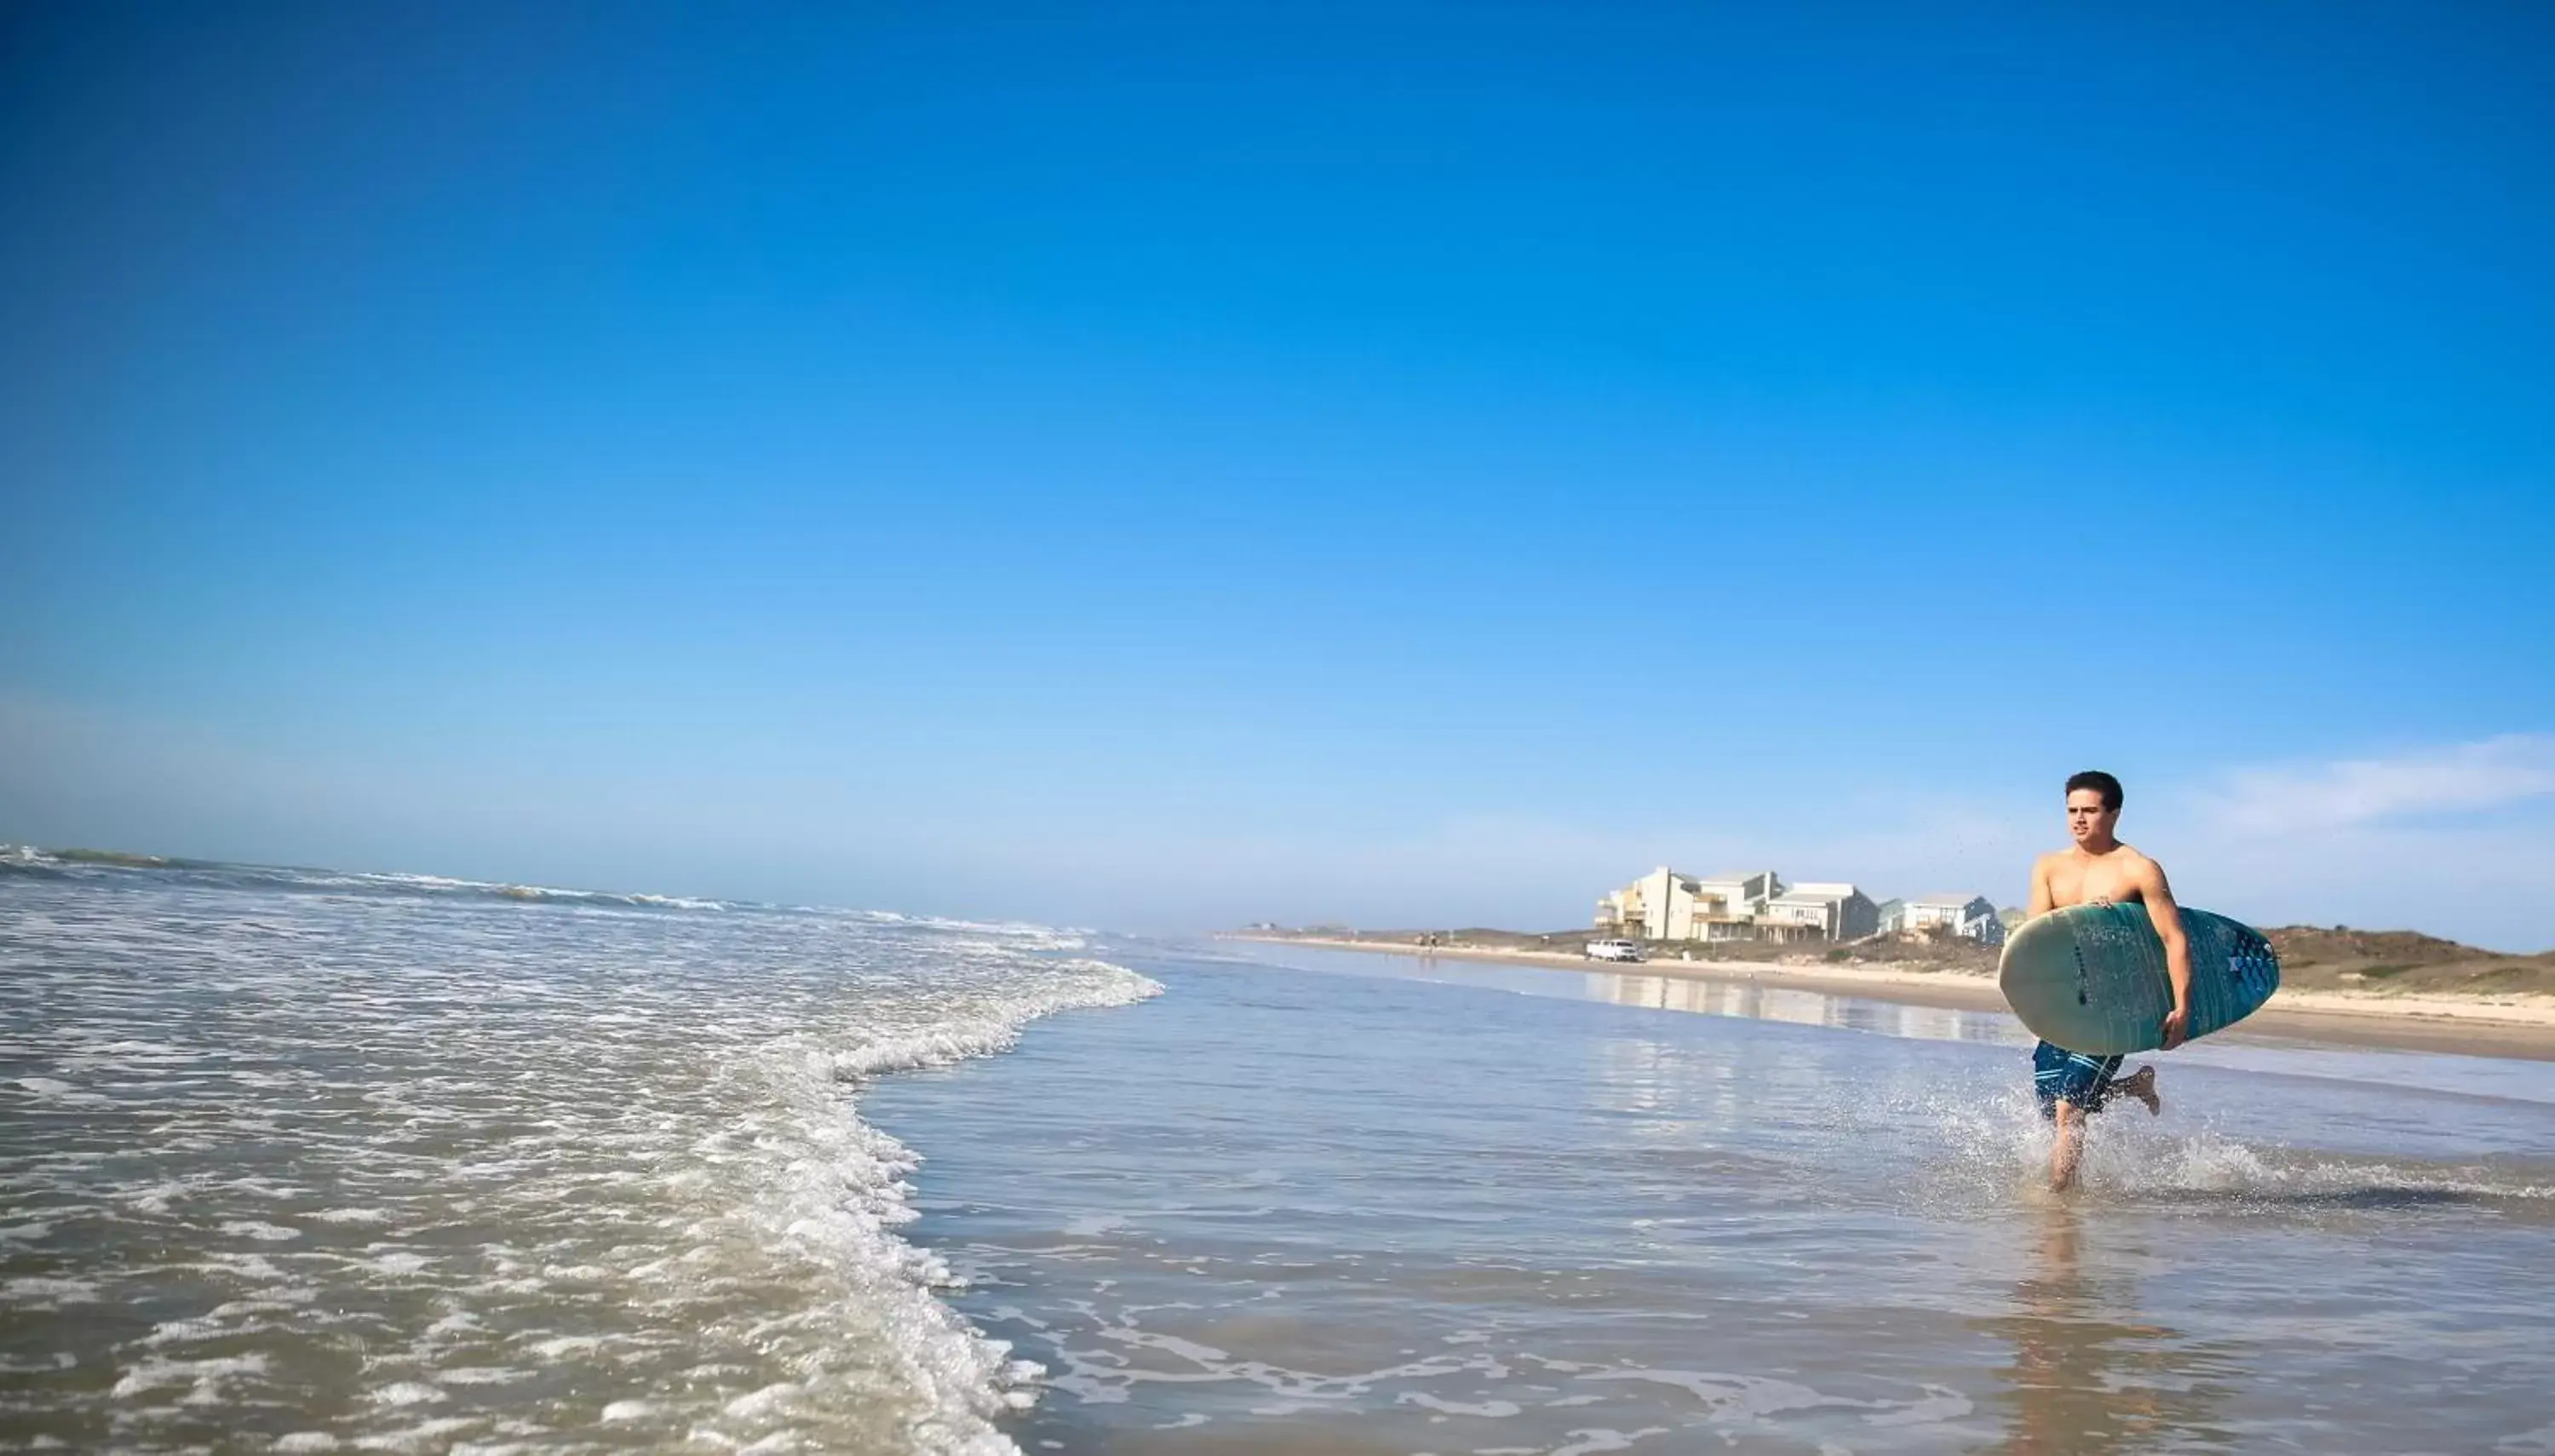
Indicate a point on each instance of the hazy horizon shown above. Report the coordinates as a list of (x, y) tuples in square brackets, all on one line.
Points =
[(1172, 468), (995, 914)]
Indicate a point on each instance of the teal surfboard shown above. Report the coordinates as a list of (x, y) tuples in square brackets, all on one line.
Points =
[(2091, 977)]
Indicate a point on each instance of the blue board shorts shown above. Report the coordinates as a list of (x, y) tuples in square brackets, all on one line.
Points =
[(2060, 1075)]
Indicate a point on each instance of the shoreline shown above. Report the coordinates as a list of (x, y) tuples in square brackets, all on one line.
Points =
[(2522, 1026)]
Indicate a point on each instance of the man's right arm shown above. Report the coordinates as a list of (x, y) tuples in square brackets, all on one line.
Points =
[(2042, 901)]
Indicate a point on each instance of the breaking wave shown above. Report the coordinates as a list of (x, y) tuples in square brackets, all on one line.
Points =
[(564, 1178), (60, 863)]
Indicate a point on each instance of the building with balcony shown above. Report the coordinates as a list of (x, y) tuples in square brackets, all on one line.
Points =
[(1666, 905), (1819, 911), (1969, 916)]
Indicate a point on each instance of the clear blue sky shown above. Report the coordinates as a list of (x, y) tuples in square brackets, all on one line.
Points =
[(1165, 467)]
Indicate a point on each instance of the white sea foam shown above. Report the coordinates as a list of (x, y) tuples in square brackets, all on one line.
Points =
[(1489, 1410), (156, 1373), (259, 1230), (479, 1375), (614, 1105), (52, 1293), (55, 1089), (996, 1028), (1591, 1441)]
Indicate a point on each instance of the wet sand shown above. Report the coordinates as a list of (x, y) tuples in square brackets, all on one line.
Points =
[(2521, 1026)]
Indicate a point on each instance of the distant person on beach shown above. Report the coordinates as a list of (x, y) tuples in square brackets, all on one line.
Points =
[(2098, 869)]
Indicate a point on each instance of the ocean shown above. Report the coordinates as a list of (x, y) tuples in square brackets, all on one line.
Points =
[(307, 1162)]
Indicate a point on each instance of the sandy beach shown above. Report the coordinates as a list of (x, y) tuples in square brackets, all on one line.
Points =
[(2515, 1025)]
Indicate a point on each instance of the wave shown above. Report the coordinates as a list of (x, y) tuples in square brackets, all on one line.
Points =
[(835, 1191), (34, 862), (23, 859), (1100, 984), (1016, 933), (855, 1195), (625, 1114), (27, 859), (500, 890)]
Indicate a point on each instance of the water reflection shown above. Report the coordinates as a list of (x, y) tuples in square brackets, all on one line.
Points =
[(1676, 1094), (1803, 1008), (2087, 1380)]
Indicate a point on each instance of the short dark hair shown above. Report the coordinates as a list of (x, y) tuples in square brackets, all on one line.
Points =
[(2102, 783)]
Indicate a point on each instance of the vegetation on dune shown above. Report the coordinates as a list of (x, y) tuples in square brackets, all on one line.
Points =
[(2402, 962)]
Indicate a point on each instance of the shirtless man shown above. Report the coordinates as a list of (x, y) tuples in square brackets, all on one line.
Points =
[(2099, 869)]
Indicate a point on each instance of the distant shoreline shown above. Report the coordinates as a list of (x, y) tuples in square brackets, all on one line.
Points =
[(2516, 1026)]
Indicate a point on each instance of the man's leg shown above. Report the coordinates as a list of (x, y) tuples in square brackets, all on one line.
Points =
[(2068, 1148)]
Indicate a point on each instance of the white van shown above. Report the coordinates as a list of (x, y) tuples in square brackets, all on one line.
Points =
[(1613, 950)]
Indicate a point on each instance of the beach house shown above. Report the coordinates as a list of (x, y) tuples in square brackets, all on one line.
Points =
[(1969, 916), (1666, 905), (1819, 911)]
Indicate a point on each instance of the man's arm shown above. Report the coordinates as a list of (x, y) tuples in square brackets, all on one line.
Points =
[(2167, 917), (2042, 900)]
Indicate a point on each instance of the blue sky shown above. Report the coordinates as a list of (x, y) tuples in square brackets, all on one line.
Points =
[(1405, 463)]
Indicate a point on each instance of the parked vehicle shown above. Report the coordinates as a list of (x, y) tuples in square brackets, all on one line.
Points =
[(1613, 950)]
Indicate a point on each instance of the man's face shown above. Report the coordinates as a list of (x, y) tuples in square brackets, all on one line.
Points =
[(2087, 822)]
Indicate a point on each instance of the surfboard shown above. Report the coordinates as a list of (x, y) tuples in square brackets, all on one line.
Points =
[(2091, 977)]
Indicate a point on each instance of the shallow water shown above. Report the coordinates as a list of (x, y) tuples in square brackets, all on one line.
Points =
[(300, 1161), (1318, 1201), (304, 1161)]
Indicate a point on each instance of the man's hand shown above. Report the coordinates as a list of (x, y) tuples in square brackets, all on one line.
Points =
[(2177, 1022)]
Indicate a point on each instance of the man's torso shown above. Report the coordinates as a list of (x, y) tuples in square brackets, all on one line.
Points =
[(2078, 878)]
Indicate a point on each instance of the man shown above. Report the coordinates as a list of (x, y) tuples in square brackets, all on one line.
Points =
[(2099, 869)]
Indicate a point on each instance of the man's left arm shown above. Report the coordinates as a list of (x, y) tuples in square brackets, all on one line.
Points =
[(2167, 918)]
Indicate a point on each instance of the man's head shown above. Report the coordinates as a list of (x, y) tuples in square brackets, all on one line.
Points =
[(2093, 807)]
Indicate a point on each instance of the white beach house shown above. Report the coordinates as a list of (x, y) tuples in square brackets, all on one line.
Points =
[(1666, 905), (1820, 911), (1970, 916)]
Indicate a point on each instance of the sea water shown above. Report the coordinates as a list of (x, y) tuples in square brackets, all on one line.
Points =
[(306, 1162), (293, 1161), (1322, 1201)]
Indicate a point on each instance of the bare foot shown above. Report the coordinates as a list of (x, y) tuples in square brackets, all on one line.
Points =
[(2143, 1087)]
